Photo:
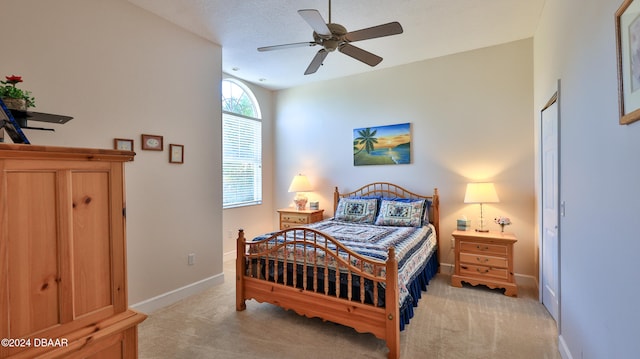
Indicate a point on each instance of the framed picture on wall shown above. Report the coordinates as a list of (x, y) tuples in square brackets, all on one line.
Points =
[(152, 143), (382, 145), (628, 51), (123, 144), (176, 153)]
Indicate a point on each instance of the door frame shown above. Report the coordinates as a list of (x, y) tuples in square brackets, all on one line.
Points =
[(555, 98)]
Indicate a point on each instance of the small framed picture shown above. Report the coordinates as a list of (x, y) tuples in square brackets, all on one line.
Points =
[(628, 55), (152, 143), (122, 144), (176, 153)]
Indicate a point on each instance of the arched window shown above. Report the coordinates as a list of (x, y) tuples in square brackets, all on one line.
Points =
[(241, 146)]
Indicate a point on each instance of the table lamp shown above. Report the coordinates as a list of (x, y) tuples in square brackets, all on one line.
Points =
[(484, 192), (300, 184)]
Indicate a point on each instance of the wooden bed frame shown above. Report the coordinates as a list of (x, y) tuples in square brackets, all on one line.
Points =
[(383, 322)]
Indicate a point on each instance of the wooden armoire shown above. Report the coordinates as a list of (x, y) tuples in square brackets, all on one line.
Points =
[(63, 278)]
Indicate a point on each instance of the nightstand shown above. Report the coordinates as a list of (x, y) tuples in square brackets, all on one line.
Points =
[(290, 217), (485, 258)]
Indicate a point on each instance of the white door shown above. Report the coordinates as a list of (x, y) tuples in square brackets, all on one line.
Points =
[(550, 208)]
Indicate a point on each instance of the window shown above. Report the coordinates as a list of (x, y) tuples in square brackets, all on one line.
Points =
[(241, 146)]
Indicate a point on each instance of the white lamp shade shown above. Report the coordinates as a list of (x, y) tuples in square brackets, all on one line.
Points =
[(300, 183), (484, 192)]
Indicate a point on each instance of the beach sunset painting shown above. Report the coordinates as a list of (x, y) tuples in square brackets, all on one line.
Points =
[(382, 145)]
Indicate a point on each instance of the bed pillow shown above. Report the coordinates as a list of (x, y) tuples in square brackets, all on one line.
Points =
[(401, 213), (427, 206), (357, 210)]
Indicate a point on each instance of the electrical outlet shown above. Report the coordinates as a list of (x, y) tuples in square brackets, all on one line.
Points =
[(453, 243), (191, 259)]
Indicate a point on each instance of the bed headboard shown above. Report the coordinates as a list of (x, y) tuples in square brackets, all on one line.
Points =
[(385, 189)]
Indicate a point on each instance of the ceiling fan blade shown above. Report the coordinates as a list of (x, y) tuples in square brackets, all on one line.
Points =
[(392, 28), (315, 20), (286, 46), (316, 62), (360, 54)]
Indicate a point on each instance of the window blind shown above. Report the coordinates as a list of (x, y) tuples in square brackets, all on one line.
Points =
[(241, 161)]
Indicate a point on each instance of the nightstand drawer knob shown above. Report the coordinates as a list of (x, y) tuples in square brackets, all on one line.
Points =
[(485, 248), (482, 260), (486, 270)]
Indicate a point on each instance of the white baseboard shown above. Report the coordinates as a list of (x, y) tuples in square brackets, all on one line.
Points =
[(152, 304), (229, 256), (526, 280), (563, 349), (446, 268)]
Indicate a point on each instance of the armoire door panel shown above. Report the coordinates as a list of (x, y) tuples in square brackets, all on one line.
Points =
[(91, 241), (33, 292)]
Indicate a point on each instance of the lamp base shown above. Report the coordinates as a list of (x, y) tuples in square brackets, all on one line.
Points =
[(301, 203), (482, 226)]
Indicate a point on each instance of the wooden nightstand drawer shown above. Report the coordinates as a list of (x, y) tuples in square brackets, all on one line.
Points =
[(479, 259), (483, 271), (295, 218), (484, 248)]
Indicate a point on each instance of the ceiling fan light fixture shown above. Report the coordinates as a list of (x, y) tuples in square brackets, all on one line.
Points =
[(331, 45)]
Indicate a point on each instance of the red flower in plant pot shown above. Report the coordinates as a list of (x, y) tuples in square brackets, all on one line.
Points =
[(10, 93), (13, 79)]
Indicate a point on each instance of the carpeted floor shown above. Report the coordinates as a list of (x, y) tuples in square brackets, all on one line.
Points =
[(449, 323)]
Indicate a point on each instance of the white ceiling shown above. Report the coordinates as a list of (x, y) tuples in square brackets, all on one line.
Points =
[(432, 28)]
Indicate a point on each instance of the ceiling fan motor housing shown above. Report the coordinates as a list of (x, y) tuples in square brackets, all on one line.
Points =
[(331, 43)]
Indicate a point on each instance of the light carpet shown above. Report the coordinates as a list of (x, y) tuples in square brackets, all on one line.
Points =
[(449, 323)]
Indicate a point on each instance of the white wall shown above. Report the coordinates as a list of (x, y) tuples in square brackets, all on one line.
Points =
[(470, 116), (120, 72), (575, 42)]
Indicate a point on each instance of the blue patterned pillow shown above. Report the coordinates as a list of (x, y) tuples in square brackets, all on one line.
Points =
[(427, 206), (402, 214), (357, 210)]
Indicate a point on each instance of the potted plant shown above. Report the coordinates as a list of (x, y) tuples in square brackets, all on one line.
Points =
[(13, 97)]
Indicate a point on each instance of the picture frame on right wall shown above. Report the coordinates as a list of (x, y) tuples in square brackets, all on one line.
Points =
[(628, 55)]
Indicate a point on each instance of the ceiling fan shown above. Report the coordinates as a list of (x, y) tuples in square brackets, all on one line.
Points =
[(335, 36)]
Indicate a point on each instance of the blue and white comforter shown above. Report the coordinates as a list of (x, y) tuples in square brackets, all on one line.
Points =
[(414, 246)]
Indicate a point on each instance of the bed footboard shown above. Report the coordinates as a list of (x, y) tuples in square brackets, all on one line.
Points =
[(311, 273)]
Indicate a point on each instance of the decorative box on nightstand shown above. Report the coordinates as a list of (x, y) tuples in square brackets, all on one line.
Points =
[(290, 217), (485, 258)]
